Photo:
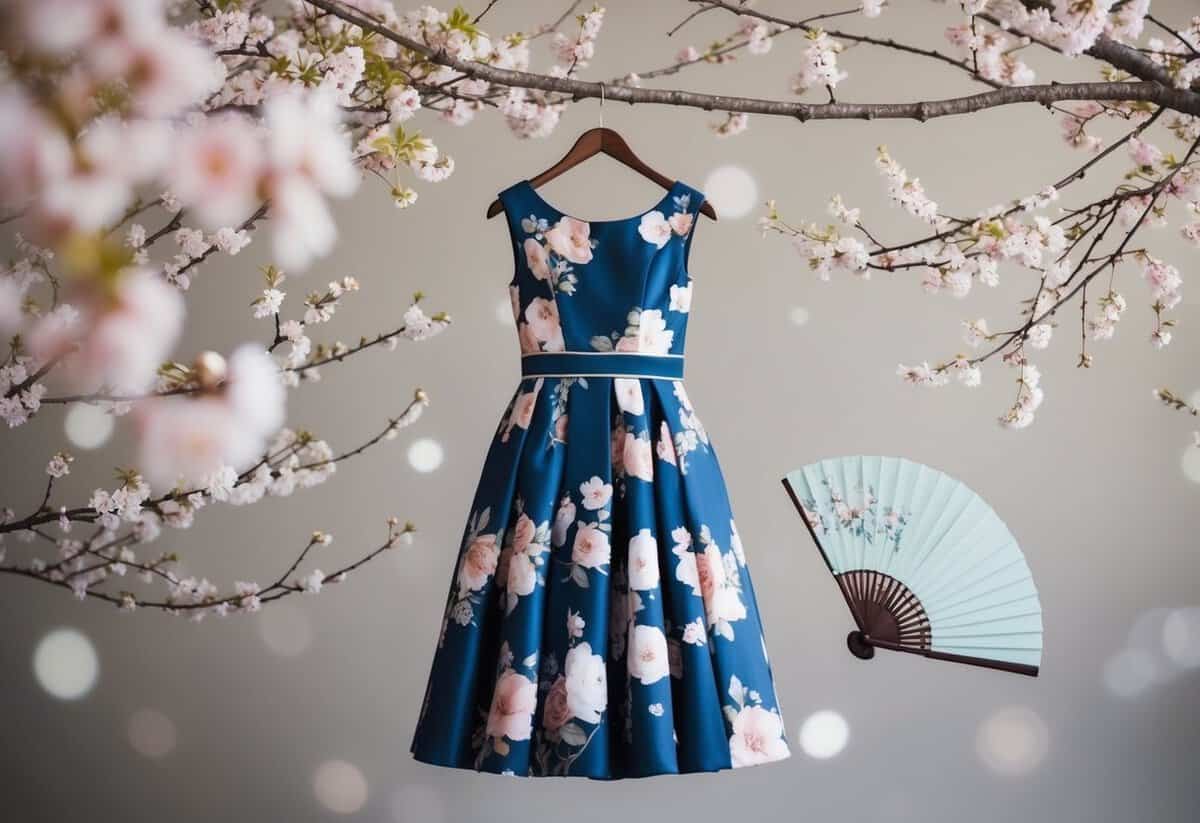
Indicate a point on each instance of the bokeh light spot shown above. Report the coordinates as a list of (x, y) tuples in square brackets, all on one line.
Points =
[(824, 734), (1130, 672), (732, 191), (425, 455), (88, 426), (151, 733), (65, 664), (340, 787), (285, 629), (1181, 637), (1013, 741)]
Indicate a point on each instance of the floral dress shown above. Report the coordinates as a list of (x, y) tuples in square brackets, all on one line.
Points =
[(600, 621)]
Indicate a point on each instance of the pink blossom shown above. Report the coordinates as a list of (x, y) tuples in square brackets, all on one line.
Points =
[(514, 701), (757, 737), (217, 168), (637, 458), (570, 239)]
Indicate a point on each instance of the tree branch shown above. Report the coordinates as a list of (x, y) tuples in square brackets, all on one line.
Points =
[(1178, 99)]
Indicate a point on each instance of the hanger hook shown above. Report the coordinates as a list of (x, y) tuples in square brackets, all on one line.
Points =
[(601, 105)]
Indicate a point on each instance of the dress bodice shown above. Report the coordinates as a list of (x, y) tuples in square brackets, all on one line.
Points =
[(601, 285)]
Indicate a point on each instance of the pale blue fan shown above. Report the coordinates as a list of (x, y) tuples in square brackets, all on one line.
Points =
[(926, 566)]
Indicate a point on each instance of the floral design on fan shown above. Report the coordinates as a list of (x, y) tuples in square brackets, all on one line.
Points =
[(552, 252), (645, 332), (572, 699), (864, 520), (476, 566), (509, 718), (657, 228), (756, 734), (521, 568), (591, 548)]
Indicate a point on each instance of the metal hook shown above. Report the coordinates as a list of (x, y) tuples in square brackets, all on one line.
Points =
[(601, 105)]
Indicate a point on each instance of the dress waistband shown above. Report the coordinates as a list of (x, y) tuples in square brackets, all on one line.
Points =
[(602, 364)]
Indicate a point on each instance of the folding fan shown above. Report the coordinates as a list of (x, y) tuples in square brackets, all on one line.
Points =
[(925, 565)]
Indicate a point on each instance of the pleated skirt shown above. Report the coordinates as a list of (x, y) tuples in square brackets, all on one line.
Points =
[(600, 619)]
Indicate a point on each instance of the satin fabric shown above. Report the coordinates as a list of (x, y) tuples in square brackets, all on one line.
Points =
[(601, 619)]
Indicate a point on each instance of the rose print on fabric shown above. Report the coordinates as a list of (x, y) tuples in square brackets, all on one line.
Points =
[(681, 298), (477, 564), (592, 548), (552, 252), (756, 733), (643, 561), (655, 227), (521, 414), (647, 654), (574, 700), (521, 566), (509, 717)]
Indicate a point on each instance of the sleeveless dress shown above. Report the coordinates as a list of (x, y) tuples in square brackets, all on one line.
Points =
[(600, 621)]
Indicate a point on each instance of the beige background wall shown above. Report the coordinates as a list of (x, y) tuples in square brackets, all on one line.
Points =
[(1094, 491)]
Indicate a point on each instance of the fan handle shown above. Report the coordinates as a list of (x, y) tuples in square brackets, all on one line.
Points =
[(860, 646)]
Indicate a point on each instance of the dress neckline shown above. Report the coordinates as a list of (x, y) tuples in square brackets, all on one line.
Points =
[(666, 198)]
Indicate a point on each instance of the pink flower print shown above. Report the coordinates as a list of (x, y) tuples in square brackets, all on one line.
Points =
[(523, 533), (591, 549), (478, 564), (570, 239), (680, 222), (542, 315), (655, 229), (595, 493), (537, 258), (757, 737), (513, 704), (636, 457), (653, 335), (522, 411), (557, 710), (529, 341)]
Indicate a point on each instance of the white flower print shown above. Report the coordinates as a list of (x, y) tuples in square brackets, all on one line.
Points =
[(587, 683), (562, 521), (647, 658), (655, 229), (591, 549), (570, 239), (695, 632), (681, 298), (575, 624), (537, 258), (665, 448), (656, 709), (735, 544), (629, 395), (653, 335), (643, 561), (687, 572), (596, 494), (757, 737), (722, 601)]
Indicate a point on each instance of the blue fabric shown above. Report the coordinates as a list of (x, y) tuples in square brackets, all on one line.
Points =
[(600, 621), (601, 364)]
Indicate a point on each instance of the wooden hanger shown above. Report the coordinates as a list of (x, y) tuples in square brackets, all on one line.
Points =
[(595, 141)]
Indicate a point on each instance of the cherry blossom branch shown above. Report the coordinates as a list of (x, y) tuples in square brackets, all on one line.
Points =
[(269, 467), (1176, 99), (198, 598)]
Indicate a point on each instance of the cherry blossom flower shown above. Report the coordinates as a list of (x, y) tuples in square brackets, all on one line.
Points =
[(820, 66), (218, 166)]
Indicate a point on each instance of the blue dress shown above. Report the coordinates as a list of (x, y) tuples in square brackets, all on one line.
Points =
[(600, 620)]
